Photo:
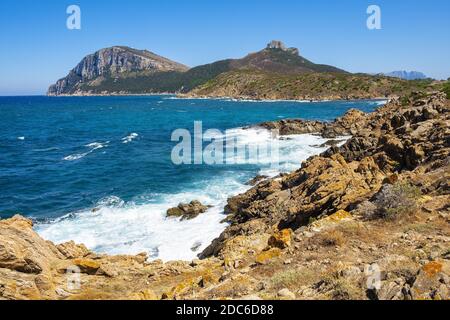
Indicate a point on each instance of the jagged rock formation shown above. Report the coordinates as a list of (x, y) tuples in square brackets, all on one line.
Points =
[(111, 63), (275, 44), (392, 140), (311, 234), (277, 58)]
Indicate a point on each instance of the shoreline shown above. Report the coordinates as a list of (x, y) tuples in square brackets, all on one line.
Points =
[(220, 208), (316, 128), (237, 99), (310, 234), (252, 99), (312, 128)]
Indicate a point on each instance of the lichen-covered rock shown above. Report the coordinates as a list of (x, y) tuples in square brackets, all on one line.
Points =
[(432, 282), (330, 220), (322, 186), (281, 239), (266, 256)]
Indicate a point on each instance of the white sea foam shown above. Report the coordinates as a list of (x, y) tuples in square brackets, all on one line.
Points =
[(92, 147), (119, 228), (116, 227), (381, 102), (21, 138), (129, 138)]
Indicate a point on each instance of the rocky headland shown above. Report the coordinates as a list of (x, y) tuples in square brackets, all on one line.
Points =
[(366, 220), (275, 72)]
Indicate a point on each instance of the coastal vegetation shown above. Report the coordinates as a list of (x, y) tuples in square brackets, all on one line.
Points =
[(308, 86)]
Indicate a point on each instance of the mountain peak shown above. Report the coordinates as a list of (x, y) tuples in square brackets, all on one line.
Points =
[(279, 45), (112, 63)]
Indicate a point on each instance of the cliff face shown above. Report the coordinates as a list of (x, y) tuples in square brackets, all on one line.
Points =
[(111, 63), (375, 208)]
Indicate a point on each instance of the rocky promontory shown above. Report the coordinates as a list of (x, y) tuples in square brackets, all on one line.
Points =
[(111, 63), (365, 220)]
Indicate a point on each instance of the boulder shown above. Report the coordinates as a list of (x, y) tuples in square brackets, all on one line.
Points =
[(330, 221), (281, 239), (188, 211), (71, 250), (22, 250)]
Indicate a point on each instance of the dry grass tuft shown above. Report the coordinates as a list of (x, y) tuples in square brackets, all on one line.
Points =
[(331, 238), (293, 279)]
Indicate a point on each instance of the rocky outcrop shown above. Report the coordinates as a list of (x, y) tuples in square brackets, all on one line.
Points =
[(188, 211), (111, 63), (393, 140), (350, 124), (279, 45), (32, 268)]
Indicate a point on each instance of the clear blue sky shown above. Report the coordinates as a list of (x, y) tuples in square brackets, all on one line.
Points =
[(38, 49)]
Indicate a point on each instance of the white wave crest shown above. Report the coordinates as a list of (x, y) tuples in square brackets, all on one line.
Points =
[(92, 147), (129, 138), (117, 227)]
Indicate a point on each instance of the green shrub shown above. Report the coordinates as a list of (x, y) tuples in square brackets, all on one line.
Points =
[(394, 202), (447, 89)]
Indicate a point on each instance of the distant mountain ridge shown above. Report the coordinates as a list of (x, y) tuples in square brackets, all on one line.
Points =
[(125, 70), (275, 72), (407, 75)]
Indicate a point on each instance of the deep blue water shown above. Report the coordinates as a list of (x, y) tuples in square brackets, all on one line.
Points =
[(67, 155)]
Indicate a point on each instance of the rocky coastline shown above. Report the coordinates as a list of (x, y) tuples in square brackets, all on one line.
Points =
[(377, 206), (274, 98)]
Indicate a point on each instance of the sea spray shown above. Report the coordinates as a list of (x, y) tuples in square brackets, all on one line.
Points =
[(116, 227)]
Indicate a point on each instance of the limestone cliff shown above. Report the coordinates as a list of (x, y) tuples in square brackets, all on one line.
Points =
[(110, 63)]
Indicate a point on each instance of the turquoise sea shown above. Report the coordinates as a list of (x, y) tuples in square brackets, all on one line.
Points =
[(98, 170)]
